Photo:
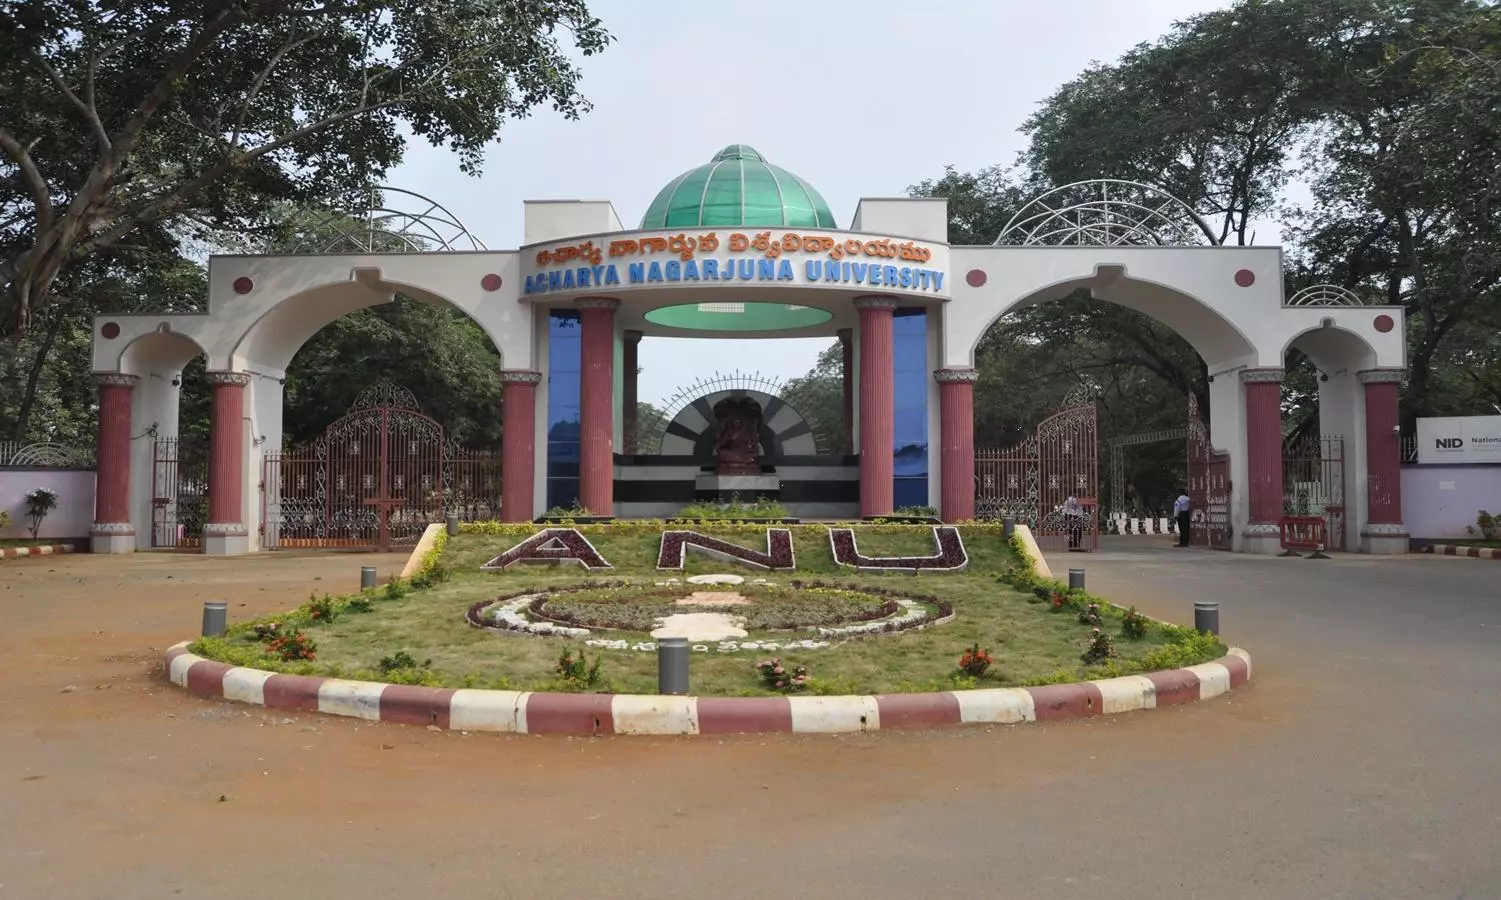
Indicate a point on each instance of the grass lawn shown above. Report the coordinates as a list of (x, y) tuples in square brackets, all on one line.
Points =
[(1030, 643)]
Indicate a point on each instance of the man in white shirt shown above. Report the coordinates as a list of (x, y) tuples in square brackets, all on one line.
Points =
[(1181, 511)]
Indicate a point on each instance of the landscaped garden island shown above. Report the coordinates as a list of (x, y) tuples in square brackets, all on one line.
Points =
[(768, 610)]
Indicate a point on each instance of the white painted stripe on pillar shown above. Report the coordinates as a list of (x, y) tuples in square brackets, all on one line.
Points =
[(180, 667), (1001, 706), (834, 714), (246, 685), (356, 699), (1243, 656), (1126, 694), (635, 714), (1214, 679), (471, 710)]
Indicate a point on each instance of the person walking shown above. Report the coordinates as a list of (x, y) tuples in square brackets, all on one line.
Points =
[(1181, 510)]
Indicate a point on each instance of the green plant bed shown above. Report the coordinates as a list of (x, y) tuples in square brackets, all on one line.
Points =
[(38, 542), (1026, 638)]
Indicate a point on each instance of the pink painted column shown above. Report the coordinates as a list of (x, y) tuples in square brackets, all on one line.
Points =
[(518, 463), (1383, 455), (1263, 389), (847, 346), (112, 531), (597, 406), (877, 453), (226, 532), (956, 416)]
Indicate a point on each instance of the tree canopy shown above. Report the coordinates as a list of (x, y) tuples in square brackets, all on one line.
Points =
[(170, 122)]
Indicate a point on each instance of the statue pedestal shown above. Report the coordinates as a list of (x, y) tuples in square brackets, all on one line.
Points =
[(724, 488)]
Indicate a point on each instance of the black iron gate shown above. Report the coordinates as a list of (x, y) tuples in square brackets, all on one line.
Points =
[(374, 480), (179, 492)]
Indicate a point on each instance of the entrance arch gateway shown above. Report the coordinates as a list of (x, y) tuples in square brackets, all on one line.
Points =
[(568, 310)]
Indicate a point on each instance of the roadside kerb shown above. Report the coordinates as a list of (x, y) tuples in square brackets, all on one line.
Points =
[(525, 712), (36, 550), (1465, 551)]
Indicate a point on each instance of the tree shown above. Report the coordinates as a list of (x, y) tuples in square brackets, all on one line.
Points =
[(819, 396), (185, 116)]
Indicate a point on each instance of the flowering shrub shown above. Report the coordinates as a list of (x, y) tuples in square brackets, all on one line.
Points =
[(1134, 625), (778, 555), (431, 571), (395, 589), (776, 677), (1057, 600), (1100, 648), (975, 661), (361, 603), (265, 631), (577, 673), (321, 609), (1090, 615), (39, 502), (292, 645)]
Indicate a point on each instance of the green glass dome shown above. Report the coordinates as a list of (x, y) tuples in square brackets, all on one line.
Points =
[(738, 187)]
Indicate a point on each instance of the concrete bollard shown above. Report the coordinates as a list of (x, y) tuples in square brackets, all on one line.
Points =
[(215, 617), (367, 577), (672, 665), (1008, 526), (1076, 579), (1207, 616), (452, 521)]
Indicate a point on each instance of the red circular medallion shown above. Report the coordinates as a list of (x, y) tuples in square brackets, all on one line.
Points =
[(975, 278), (1245, 278), (244, 285), (109, 330), (1384, 323), (490, 282)]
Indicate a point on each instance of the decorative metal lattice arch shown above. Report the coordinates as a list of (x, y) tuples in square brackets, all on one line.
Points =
[(690, 417), (1107, 212), (1325, 295), (392, 220)]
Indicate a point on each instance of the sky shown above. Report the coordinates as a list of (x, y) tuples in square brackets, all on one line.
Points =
[(859, 99)]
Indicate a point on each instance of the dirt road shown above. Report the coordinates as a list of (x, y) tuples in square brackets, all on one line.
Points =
[(113, 784)]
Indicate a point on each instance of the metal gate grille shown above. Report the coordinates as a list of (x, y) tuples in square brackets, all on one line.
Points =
[(179, 492), (1313, 483), (1033, 481), (1208, 486), (374, 480)]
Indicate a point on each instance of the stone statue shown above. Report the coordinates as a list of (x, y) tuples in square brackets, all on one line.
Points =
[(737, 450)]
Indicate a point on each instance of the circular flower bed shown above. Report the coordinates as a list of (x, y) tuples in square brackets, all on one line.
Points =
[(758, 611)]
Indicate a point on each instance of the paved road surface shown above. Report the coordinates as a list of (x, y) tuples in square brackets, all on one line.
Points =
[(1361, 763)]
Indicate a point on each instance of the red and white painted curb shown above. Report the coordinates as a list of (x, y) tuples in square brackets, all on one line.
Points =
[(1462, 550), (43, 550), (525, 712)]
